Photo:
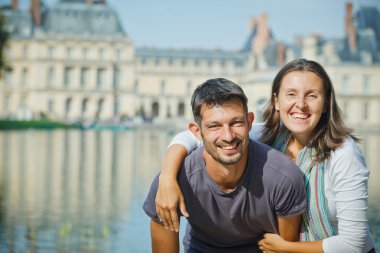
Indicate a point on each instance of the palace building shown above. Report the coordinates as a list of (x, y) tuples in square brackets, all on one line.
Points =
[(75, 62)]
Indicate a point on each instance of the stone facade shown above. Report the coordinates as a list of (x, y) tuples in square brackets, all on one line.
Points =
[(90, 70)]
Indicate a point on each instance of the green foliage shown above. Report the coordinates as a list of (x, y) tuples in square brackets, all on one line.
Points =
[(37, 124), (4, 37)]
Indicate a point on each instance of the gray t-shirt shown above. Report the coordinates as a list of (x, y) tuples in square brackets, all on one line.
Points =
[(271, 186)]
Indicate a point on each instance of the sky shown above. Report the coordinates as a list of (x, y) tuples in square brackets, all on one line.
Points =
[(223, 24)]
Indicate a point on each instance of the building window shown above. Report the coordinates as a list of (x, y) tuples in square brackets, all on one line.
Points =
[(181, 109), (345, 110), (136, 87), (238, 64), (50, 106), (68, 76), (101, 54), (68, 105), (50, 76), (83, 77), (8, 78), (189, 88), (366, 85), (163, 87), (84, 105), (24, 77), (345, 85), (69, 52), (116, 78), (100, 77), (24, 51), (118, 54), (51, 52), (100, 107), (365, 110), (23, 102), (155, 109), (7, 104), (8, 53), (85, 53)]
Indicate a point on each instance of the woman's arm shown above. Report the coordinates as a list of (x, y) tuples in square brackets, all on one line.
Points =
[(287, 239), (169, 195), (347, 179), (348, 187), (273, 243)]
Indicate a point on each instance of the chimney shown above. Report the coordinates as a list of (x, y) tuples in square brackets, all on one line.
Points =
[(350, 29), (260, 42), (35, 9), (89, 2), (14, 5), (280, 54)]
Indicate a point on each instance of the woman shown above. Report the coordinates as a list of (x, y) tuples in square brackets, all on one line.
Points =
[(303, 120)]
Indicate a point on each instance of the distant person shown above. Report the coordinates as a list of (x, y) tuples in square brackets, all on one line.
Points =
[(302, 120), (235, 189)]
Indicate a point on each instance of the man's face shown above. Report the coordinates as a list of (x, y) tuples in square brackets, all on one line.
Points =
[(224, 130)]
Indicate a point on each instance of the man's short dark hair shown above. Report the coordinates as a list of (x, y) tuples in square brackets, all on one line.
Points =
[(216, 92)]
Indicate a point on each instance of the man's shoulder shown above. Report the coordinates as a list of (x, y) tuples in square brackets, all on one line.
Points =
[(271, 154), (274, 160), (193, 163)]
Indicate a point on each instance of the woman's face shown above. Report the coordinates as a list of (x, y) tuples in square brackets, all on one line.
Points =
[(300, 102)]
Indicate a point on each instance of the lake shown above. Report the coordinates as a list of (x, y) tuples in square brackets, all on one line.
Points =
[(82, 191)]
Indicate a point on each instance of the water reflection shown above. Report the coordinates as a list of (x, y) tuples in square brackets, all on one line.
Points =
[(82, 191), (67, 191)]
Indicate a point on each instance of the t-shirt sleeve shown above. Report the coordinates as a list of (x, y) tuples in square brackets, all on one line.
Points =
[(150, 204), (256, 131), (186, 139), (291, 195)]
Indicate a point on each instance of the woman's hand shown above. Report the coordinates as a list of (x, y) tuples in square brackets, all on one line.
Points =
[(272, 243), (168, 197)]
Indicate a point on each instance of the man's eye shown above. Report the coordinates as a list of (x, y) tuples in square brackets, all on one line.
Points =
[(238, 123)]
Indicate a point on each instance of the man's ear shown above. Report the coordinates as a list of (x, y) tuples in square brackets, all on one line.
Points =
[(195, 129), (251, 117)]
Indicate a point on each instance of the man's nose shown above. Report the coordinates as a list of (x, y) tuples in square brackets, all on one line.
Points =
[(227, 133)]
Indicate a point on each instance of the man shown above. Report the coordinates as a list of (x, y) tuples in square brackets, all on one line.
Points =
[(235, 189)]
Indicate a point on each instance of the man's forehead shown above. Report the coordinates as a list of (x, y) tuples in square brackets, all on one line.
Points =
[(232, 110)]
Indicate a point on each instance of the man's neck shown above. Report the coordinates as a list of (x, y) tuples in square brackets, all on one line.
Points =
[(226, 177)]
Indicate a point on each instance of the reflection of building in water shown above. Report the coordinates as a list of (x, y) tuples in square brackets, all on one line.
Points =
[(74, 186), (68, 184)]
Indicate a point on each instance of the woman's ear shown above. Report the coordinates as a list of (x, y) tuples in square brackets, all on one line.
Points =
[(276, 105)]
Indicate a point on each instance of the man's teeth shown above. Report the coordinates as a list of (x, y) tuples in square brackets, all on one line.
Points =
[(299, 115), (230, 147)]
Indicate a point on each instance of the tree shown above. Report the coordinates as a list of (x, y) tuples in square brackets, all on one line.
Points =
[(4, 37)]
